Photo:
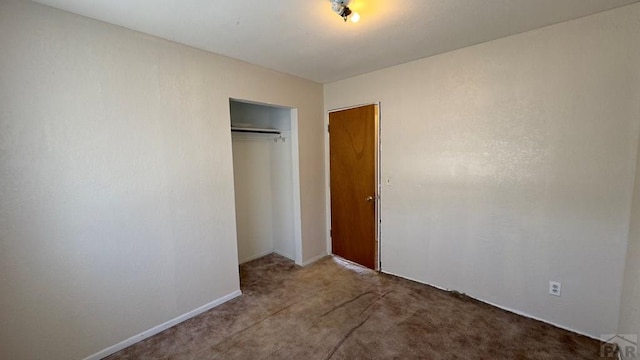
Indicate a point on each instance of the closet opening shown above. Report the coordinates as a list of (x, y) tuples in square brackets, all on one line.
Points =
[(266, 172)]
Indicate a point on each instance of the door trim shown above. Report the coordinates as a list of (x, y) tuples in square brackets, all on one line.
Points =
[(378, 176)]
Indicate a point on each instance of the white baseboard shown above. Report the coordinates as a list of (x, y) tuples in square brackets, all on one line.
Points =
[(288, 256), (257, 256), (517, 312), (265, 253), (537, 318), (313, 259), (418, 281), (157, 329)]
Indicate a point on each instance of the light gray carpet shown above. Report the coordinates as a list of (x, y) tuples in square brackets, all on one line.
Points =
[(335, 310)]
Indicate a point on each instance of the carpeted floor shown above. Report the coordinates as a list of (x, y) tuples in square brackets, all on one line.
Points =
[(335, 310)]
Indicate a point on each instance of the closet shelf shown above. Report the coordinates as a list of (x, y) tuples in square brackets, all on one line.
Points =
[(255, 130)]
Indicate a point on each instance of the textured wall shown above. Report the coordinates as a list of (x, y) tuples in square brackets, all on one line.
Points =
[(264, 197), (116, 184), (512, 163), (630, 304), (252, 186), (282, 206)]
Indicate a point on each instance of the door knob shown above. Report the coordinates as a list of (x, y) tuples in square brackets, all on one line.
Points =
[(369, 198)]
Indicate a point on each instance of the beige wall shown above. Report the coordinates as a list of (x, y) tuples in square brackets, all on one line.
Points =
[(512, 163), (116, 183), (264, 196), (252, 183), (630, 306)]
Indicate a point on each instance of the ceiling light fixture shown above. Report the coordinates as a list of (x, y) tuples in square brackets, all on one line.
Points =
[(340, 7)]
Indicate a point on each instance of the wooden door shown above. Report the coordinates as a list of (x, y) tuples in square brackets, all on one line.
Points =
[(352, 146)]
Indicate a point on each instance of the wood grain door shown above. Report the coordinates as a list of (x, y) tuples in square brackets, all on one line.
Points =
[(352, 146)]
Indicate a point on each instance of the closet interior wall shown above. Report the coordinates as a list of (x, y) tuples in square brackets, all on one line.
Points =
[(262, 165)]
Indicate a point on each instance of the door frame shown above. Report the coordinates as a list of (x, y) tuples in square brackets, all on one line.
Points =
[(378, 175)]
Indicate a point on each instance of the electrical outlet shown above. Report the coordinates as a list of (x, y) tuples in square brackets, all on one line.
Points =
[(555, 288)]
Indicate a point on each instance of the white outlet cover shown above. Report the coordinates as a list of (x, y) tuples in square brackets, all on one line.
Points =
[(555, 288)]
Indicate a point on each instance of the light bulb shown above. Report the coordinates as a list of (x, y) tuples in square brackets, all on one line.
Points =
[(355, 17)]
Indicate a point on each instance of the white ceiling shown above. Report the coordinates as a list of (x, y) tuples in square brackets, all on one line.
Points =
[(305, 38)]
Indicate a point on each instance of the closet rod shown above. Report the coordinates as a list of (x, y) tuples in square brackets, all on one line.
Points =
[(255, 130)]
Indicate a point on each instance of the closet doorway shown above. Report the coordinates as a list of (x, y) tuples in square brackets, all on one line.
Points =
[(266, 180)]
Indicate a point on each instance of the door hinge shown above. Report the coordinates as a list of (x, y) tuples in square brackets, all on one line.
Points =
[(330, 233), (328, 128)]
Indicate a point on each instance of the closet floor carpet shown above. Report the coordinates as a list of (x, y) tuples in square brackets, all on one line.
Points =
[(335, 310)]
